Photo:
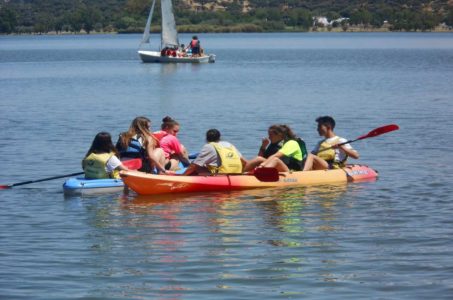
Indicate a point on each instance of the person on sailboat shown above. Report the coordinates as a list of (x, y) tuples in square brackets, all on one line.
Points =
[(173, 150), (182, 51), (167, 51), (138, 142), (216, 157), (195, 47)]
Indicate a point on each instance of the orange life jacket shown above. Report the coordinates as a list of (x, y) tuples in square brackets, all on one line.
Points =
[(195, 43)]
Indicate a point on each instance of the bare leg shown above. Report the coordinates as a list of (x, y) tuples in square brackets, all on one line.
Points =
[(314, 162), (253, 163), (158, 159), (174, 164), (276, 163)]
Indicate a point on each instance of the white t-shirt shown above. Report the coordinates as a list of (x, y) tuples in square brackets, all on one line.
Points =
[(112, 164), (340, 155), (208, 155)]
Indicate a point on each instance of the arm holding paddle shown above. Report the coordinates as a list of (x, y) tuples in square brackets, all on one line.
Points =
[(316, 163), (347, 150)]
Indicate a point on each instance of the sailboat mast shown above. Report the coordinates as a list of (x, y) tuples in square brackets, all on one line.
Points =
[(169, 37), (146, 33)]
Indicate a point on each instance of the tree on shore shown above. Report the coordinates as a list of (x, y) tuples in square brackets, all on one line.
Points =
[(449, 18), (27, 16), (300, 17), (8, 20), (89, 17), (44, 23)]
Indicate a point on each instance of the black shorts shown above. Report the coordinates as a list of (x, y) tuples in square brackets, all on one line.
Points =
[(293, 164)]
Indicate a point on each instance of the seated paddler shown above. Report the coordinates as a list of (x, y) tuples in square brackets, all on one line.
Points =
[(269, 146), (216, 157), (138, 142), (101, 160), (292, 154), (330, 152)]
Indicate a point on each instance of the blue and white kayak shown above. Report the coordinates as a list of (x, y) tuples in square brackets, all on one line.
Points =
[(83, 186)]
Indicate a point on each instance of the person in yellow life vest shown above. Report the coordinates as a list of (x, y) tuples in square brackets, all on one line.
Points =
[(326, 154), (217, 157), (291, 156), (101, 160)]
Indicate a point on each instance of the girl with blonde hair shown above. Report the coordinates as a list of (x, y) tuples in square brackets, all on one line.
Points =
[(138, 142)]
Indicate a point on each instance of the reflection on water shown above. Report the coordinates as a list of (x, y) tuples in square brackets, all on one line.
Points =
[(234, 238), (220, 227), (218, 234)]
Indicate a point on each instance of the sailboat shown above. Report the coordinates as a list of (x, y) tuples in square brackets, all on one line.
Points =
[(169, 40)]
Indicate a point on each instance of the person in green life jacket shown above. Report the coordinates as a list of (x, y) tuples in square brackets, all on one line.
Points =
[(291, 156), (326, 154), (217, 157), (101, 160), (269, 146)]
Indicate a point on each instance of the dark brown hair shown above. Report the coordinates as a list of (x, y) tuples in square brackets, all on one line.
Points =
[(213, 135), (102, 143), (326, 121), (168, 123), (284, 130)]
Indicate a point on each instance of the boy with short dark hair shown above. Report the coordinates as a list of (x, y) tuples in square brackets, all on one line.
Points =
[(328, 154)]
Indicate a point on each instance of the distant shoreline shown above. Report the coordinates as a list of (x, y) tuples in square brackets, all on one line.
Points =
[(185, 29)]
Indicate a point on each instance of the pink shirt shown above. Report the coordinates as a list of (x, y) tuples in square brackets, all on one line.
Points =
[(171, 145)]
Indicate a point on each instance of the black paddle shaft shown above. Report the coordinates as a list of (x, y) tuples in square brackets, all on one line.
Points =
[(340, 144), (45, 179)]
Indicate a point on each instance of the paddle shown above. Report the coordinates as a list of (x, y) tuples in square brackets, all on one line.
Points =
[(372, 133), (266, 174), (4, 187), (132, 164), (272, 174)]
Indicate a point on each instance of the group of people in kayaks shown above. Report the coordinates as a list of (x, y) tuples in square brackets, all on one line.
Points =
[(162, 153), (193, 49)]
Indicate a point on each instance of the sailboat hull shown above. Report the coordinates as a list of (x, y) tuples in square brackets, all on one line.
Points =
[(155, 57)]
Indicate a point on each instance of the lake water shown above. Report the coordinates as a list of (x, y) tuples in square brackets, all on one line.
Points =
[(389, 239)]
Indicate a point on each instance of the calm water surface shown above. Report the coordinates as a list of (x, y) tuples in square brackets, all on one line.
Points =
[(390, 239)]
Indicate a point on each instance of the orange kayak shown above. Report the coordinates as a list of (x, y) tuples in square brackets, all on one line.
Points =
[(149, 184)]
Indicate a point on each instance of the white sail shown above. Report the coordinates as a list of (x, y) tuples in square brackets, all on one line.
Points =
[(169, 33), (146, 33)]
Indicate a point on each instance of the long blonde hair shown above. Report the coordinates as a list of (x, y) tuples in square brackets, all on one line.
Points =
[(140, 128)]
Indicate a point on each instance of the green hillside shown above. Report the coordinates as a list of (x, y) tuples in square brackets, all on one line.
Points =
[(42, 16)]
